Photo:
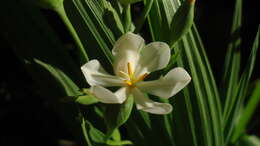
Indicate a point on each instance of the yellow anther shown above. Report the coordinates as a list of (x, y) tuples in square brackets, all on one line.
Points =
[(140, 78), (130, 71), (129, 83)]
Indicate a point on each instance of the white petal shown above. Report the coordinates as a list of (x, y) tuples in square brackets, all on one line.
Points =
[(106, 96), (122, 93), (147, 105), (167, 86), (154, 56), (96, 75), (126, 50)]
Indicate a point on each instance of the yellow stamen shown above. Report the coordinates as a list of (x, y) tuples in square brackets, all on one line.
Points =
[(130, 71), (123, 74), (129, 83), (142, 77)]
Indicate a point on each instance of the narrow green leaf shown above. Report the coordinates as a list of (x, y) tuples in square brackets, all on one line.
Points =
[(202, 105), (184, 112), (232, 61), (119, 143), (155, 25), (240, 92), (81, 53), (113, 20), (127, 18), (49, 4), (247, 113), (84, 130), (69, 86), (205, 123), (127, 2), (249, 141), (92, 14), (235, 40), (97, 10)]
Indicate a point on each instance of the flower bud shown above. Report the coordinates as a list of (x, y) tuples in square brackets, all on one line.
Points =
[(182, 21)]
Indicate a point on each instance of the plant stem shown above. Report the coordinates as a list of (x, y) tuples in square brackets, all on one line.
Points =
[(83, 57), (128, 19), (83, 127)]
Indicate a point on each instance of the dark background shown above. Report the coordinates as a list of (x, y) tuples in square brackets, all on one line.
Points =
[(25, 117)]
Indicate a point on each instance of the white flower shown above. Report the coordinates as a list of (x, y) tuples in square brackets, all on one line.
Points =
[(133, 62)]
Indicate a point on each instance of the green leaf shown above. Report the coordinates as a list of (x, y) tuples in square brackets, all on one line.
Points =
[(230, 77), (92, 13), (233, 48), (127, 18), (99, 137), (112, 19), (247, 113), (86, 100), (49, 4), (117, 114), (119, 143), (116, 135), (81, 99), (199, 106), (95, 134), (84, 129), (126, 2), (241, 90), (249, 141), (64, 80)]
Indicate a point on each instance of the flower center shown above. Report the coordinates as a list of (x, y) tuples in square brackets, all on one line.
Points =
[(132, 80)]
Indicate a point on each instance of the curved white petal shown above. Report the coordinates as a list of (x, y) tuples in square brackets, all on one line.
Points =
[(147, 105), (106, 96), (167, 86), (96, 75), (154, 56), (126, 50)]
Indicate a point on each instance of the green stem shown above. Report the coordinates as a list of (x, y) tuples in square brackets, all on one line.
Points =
[(141, 20), (81, 51), (128, 19), (84, 130)]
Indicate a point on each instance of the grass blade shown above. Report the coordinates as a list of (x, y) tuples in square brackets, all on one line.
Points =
[(232, 60), (247, 113), (206, 106), (92, 14), (241, 90)]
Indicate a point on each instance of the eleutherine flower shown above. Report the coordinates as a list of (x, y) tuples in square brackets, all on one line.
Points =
[(134, 61)]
